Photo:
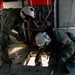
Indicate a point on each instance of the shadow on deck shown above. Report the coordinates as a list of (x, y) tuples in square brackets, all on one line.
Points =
[(18, 53)]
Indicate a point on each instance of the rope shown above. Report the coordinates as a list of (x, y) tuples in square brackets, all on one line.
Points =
[(47, 15), (70, 15)]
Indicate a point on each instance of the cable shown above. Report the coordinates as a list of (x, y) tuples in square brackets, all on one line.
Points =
[(47, 15), (70, 15)]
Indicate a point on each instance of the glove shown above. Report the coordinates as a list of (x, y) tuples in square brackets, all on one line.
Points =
[(66, 67), (18, 37), (63, 59)]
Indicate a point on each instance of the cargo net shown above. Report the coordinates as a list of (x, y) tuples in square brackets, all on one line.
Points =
[(44, 17)]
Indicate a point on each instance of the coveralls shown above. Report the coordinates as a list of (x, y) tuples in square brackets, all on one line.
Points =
[(62, 45), (10, 19)]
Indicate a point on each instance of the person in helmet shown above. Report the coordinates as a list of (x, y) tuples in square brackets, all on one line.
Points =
[(12, 18), (59, 42), (27, 13)]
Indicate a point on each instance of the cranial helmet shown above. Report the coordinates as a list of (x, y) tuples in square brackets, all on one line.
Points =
[(27, 12), (42, 39)]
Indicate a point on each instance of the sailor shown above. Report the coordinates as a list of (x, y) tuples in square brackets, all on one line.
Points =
[(59, 42), (12, 19)]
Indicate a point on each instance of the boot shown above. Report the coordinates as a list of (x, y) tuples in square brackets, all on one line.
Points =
[(1, 63), (6, 60)]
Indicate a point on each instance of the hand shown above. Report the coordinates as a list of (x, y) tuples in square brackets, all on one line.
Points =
[(18, 37), (63, 59)]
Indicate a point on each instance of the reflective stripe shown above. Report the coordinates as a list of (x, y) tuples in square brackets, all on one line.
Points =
[(31, 2), (47, 39)]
